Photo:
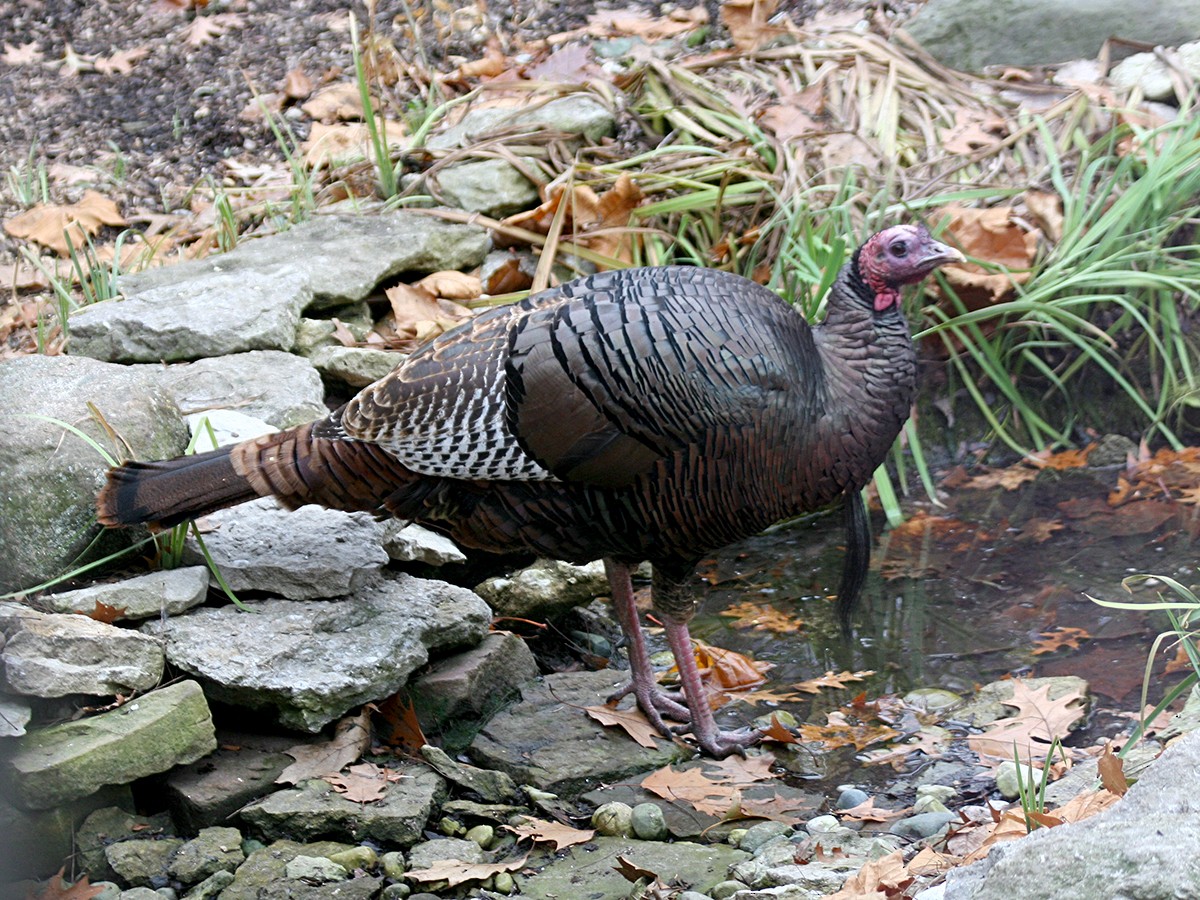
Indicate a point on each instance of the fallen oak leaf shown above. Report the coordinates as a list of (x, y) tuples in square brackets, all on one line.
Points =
[(633, 720), (539, 830), (363, 783), (455, 872), (830, 680), (57, 888), (632, 872), (60, 227), (1059, 638), (351, 738), (104, 613), (883, 877)]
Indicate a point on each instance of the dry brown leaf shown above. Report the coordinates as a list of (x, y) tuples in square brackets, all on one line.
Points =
[(203, 29), (397, 724), (1037, 722), (21, 54), (748, 22), (882, 878), (633, 720), (121, 62), (1047, 213), (930, 862), (455, 872), (842, 733), (104, 613), (351, 738), (338, 102), (1010, 826), (1112, 773), (362, 783), (452, 285), (296, 84), (993, 235), (345, 143), (1084, 806), (1059, 638), (832, 680), (748, 614), (1039, 530), (795, 115), (417, 315), (53, 226), (58, 889), (867, 811), (541, 831), (635, 23), (973, 130)]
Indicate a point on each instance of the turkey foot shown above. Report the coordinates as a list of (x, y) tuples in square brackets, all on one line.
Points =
[(703, 728)]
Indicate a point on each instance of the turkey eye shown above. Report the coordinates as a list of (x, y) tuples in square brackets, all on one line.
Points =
[(900, 248)]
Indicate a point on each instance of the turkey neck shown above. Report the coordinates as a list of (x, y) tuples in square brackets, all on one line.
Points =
[(869, 371)]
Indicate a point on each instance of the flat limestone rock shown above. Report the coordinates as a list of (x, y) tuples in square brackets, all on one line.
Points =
[(341, 258), (148, 735), (314, 809), (54, 655), (170, 591), (591, 870), (304, 554), (547, 740), (311, 661), (213, 314)]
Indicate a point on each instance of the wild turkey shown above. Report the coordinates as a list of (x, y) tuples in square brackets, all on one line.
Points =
[(641, 414)]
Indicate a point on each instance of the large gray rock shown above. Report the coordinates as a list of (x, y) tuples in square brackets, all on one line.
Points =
[(314, 809), (596, 865), (304, 554), (546, 589), (168, 592), (548, 740), (50, 476), (460, 692), (145, 736), (971, 34), (311, 661), (341, 258), (413, 543), (280, 388), (211, 790), (355, 366), (56, 655), (1143, 848), (494, 187), (576, 114), (213, 314)]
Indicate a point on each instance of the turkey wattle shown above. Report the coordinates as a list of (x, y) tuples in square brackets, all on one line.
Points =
[(641, 414)]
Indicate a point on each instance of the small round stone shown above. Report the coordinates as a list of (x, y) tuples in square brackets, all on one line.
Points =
[(397, 891), (361, 857), (852, 797), (822, 825), (648, 822), (394, 865), (734, 838), (450, 827), (726, 889), (759, 834), (614, 819), (503, 883), (483, 835)]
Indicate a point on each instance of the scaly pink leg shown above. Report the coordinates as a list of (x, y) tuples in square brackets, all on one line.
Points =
[(654, 701), (712, 740)]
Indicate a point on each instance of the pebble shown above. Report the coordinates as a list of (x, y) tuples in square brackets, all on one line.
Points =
[(757, 835), (450, 827), (503, 883), (398, 891), (394, 865), (923, 825), (822, 825), (315, 870), (360, 857), (929, 804), (734, 838), (851, 797), (1006, 779), (483, 835), (726, 889), (931, 699), (648, 822), (614, 819), (941, 792)]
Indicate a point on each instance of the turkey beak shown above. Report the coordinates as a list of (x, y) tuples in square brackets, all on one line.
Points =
[(939, 254)]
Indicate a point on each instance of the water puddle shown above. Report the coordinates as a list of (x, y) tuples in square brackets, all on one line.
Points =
[(991, 584)]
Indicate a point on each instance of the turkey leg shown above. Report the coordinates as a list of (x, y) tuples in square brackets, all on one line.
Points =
[(654, 701)]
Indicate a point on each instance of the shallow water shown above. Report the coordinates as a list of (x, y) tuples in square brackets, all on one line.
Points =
[(959, 596)]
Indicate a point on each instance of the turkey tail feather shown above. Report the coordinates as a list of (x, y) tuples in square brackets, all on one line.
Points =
[(171, 491), (293, 466)]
